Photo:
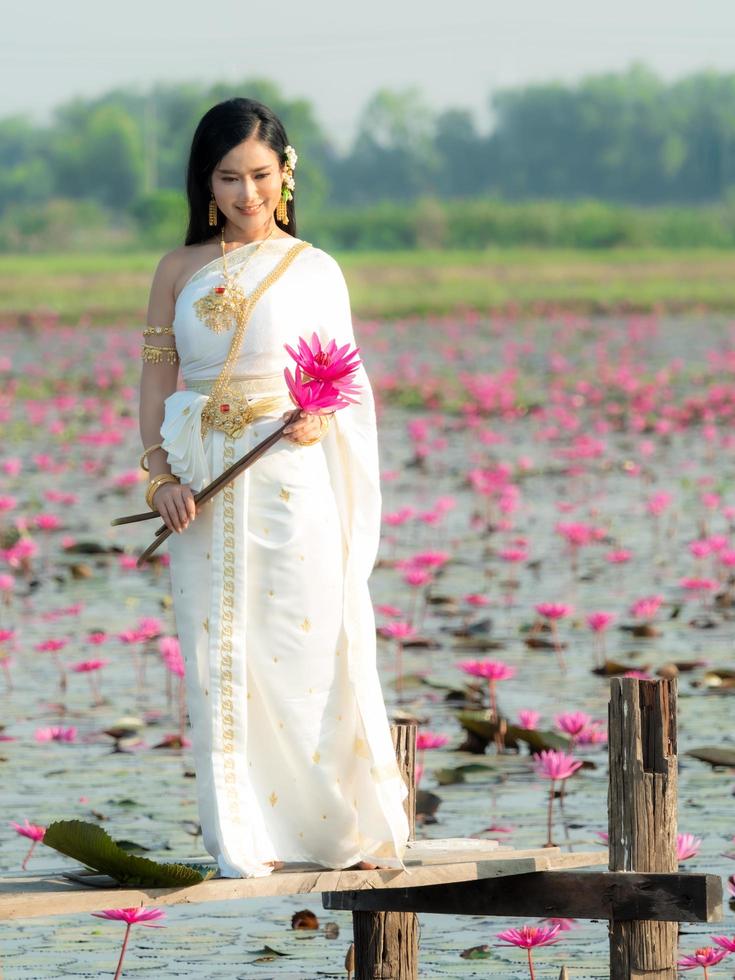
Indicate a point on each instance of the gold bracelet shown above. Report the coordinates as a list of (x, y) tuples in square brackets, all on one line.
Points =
[(322, 433), (144, 458), (155, 483), (156, 355), (157, 331)]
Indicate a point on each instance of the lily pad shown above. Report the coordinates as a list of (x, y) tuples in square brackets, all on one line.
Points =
[(477, 953), (716, 755), (93, 846), (479, 723)]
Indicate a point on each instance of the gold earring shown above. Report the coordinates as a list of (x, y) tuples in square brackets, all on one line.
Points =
[(281, 212), (213, 211)]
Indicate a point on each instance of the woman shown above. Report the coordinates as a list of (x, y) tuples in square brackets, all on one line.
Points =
[(291, 742)]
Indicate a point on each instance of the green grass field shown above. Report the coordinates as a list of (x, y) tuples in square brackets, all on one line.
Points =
[(113, 287)]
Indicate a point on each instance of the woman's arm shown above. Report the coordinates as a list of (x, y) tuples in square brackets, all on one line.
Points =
[(158, 380)]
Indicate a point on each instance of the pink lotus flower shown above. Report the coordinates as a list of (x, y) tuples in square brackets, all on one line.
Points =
[(528, 719), (396, 631), (399, 517), (553, 610), (33, 832), (336, 365), (695, 584), (56, 733), (553, 764), (316, 396), (658, 503), (47, 522), (430, 740), (131, 916), (724, 942), (687, 846), (493, 671), (702, 958), (476, 599), (85, 666), (430, 559), (51, 646), (599, 621), (417, 576), (513, 554), (618, 556), (564, 924), (646, 607), (386, 609), (527, 937), (595, 734), (573, 722)]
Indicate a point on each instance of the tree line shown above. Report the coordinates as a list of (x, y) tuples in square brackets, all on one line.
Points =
[(116, 162)]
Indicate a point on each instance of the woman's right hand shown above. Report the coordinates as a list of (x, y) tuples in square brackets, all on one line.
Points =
[(175, 503)]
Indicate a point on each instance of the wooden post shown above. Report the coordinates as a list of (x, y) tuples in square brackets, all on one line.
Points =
[(642, 799), (387, 943)]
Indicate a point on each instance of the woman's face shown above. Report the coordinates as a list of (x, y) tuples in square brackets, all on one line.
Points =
[(246, 184)]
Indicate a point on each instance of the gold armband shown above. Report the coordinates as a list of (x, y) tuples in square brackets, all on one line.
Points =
[(157, 355), (144, 457), (158, 331)]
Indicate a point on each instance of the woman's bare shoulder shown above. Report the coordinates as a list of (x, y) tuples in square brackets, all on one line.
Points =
[(178, 265)]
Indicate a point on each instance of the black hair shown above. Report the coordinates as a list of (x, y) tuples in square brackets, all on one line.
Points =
[(221, 128)]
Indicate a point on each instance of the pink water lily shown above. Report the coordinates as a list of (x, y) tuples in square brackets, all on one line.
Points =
[(34, 832), (687, 846), (493, 671), (527, 937), (528, 718), (331, 363), (702, 958), (554, 765), (131, 916), (317, 396)]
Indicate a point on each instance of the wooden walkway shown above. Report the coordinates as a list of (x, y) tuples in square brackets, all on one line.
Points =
[(643, 895), (429, 862)]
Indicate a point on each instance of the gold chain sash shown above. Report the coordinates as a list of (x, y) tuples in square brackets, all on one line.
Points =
[(226, 408)]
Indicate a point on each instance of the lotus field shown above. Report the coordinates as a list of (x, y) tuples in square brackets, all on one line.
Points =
[(558, 508)]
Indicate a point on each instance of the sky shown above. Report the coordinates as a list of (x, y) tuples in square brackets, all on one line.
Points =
[(337, 54)]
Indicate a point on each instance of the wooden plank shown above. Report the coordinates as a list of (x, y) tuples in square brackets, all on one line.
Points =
[(28, 896), (642, 804), (620, 896)]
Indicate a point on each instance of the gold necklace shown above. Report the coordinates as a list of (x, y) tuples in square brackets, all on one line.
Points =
[(219, 308)]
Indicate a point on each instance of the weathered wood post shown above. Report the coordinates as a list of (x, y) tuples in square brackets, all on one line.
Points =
[(387, 943), (642, 799)]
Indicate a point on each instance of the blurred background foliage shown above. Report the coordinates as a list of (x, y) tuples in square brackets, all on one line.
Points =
[(616, 160)]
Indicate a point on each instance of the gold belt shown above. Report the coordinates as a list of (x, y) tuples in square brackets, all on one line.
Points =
[(234, 409)]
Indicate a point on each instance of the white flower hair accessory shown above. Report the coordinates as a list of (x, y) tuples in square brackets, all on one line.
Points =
[(288, 181), (288, 184)]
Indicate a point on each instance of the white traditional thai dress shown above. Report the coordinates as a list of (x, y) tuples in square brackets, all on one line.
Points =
[(291, 742)]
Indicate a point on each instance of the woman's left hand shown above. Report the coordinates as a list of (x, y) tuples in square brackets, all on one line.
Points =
[(307, 426)]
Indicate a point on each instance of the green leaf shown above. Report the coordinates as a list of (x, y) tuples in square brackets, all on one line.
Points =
[(479, 723), (93, 846)]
